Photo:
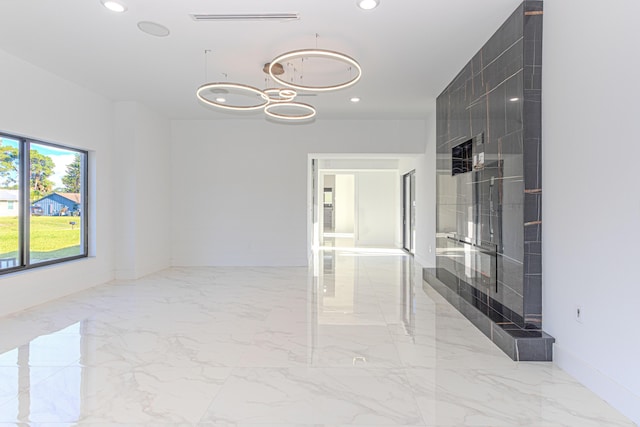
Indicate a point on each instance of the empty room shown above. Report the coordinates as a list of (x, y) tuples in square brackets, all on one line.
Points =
[(319, 213)]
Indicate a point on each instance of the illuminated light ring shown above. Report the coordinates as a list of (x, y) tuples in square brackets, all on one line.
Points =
[(311, 111), (319, 53), (232, 86), (285, 95)]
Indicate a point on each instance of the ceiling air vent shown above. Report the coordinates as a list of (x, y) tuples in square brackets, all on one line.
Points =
[(245, 17)]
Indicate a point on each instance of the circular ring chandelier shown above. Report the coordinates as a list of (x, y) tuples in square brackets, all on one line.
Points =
[(277, 95), (249, 89), (320, 54), (309, 109)]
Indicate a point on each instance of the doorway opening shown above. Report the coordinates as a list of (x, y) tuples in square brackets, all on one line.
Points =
[(355, 203), (338, 216)]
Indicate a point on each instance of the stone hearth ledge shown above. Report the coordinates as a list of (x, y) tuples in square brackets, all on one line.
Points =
[(524, 345)]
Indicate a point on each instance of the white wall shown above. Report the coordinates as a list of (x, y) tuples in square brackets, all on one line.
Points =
[(345, 200), (591, 200), (351, 164), (244, 183), (425, 167), (378, 204), (143, 200), (40, 105)]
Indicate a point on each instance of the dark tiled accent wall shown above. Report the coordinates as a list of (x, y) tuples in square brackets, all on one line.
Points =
[(495, 97)]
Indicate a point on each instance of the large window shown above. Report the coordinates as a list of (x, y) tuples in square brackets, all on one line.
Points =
[(43, 199)]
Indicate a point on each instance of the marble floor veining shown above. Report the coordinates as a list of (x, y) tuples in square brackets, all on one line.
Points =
[(353, 340)]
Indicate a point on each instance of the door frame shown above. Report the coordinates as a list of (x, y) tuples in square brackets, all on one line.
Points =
[(409, 211)]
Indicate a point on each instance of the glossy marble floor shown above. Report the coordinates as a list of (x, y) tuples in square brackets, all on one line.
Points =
[(355, 340)]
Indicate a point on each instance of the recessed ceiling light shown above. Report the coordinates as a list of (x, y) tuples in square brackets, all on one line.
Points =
[(153, 28), (355, 99), (514, 99), (114, 6), (221, 100), (367, 4)]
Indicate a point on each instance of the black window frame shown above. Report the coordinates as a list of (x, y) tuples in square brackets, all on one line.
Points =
[(24, 204)]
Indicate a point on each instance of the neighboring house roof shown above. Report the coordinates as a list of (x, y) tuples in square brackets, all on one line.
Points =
[(9, 195), (73, 197)]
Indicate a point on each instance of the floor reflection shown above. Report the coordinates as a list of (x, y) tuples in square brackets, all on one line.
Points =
[(354, 340), (408, 296), (26, 369)]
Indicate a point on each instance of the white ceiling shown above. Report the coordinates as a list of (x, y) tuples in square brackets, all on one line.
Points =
[(409, 49)]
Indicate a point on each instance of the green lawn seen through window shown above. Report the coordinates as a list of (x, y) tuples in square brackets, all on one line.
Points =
[(51, 237)]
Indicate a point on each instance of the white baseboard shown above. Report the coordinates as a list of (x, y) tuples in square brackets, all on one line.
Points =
[(618, 396)]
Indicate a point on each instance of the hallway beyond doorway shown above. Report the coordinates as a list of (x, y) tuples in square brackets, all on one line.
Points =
[(358, 203)]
